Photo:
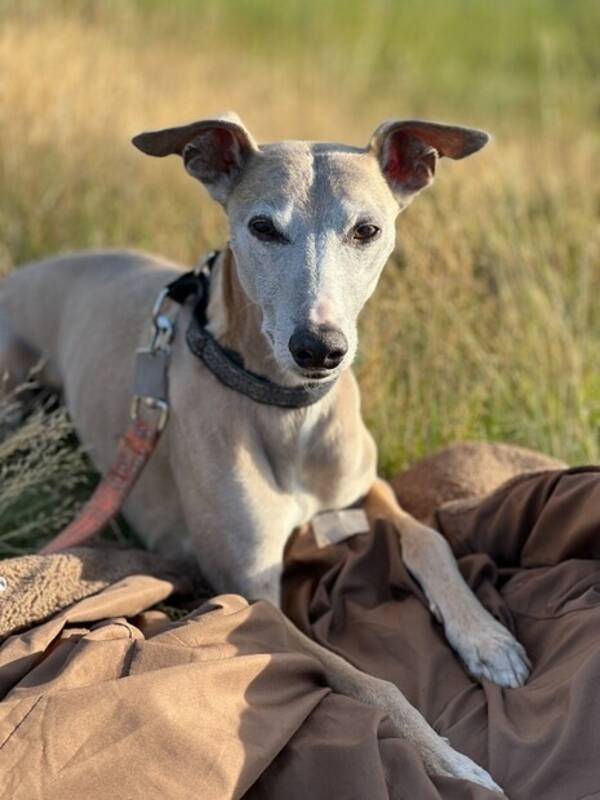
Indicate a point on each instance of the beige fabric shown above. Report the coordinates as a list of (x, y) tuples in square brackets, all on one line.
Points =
[(96, 710), (34, 586), (465, 470)]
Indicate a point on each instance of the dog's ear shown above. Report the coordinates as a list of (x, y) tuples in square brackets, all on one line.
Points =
[(213, 150), (408, 150)]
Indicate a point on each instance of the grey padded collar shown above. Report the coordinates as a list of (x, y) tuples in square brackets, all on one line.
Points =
[(226, 365), (228, 368)]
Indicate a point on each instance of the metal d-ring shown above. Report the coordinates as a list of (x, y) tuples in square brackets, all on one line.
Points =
[(153, 403)]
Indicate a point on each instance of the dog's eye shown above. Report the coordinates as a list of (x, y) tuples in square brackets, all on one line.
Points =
[(364, 232), (264, 229)]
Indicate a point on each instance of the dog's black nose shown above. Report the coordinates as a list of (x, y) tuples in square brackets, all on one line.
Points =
[(318, 347)]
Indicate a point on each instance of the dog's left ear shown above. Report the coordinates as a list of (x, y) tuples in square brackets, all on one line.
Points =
[(214, 151), (408, 150)]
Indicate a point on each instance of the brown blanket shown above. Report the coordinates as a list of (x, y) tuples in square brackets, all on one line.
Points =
[(108, 699)]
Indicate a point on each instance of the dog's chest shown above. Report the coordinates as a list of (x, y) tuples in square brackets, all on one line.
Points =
[(306, 455)]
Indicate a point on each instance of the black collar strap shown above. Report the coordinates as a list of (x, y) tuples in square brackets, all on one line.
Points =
[(226, 365)]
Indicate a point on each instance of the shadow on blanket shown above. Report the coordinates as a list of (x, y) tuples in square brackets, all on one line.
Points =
[(108, 698)]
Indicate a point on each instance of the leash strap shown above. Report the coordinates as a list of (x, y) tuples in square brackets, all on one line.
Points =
[(149, 413), (134, 450)]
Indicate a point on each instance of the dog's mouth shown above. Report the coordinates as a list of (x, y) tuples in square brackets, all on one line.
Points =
[(317, 375)]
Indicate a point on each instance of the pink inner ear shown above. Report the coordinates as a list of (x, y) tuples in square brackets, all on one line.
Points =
[(409, 162), (397, 166), (227, 150)]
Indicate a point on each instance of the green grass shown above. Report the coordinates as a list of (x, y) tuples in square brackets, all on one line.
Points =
[(486, 324)]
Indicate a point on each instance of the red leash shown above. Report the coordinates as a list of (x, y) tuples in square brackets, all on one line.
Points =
[(134, 450)]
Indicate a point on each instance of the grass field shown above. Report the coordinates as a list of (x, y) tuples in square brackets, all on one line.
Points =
[(487, 322)]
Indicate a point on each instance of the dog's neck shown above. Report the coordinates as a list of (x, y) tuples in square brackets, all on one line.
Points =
[(235, 321)]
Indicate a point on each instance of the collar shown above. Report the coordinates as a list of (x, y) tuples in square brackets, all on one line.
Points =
[(225, 364)]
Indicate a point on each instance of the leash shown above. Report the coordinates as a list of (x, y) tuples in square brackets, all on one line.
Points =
[(150, 404), (149, 414), (134, 450)]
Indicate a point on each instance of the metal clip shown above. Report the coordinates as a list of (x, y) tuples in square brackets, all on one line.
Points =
[(164, 326), (152, 364), (204, 265)]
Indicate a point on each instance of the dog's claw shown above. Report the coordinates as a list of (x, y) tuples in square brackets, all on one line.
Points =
[(490, 651), (450, 763)]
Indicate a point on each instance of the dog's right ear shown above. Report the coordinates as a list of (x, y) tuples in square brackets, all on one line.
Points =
[(214, 151), (408, 150)]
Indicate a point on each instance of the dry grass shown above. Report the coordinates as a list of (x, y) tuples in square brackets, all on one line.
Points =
[(486, 324), (43, 474)]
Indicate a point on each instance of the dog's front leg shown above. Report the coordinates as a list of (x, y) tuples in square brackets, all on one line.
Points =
[(437, 754), (486, 647)]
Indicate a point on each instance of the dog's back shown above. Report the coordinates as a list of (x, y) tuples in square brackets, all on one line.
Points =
[(53, 309)]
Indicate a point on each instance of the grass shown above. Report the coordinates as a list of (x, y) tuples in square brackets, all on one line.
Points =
[(486, 324), (43, 473)]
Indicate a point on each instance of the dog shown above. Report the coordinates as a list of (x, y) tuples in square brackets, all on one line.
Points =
[(311, 227)]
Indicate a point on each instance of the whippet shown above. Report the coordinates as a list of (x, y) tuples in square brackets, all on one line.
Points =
[(311, 227)]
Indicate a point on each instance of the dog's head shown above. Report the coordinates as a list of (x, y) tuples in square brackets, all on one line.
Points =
[(312, 224)]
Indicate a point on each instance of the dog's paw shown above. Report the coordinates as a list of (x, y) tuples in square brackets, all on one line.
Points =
[(490, 651), (446, 761)]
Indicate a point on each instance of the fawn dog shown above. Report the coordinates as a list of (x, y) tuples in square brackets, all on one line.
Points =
[(311, 227)]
